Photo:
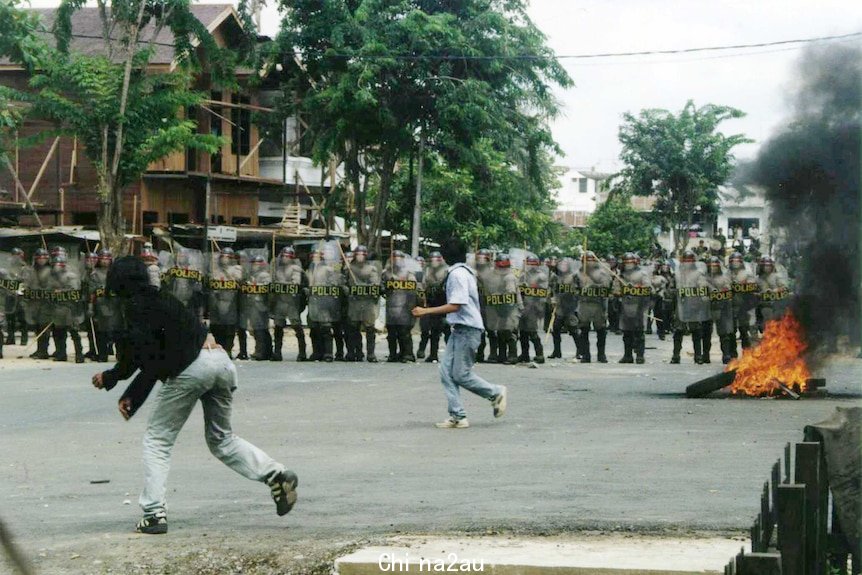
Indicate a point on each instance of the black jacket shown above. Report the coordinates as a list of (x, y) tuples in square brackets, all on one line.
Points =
[(161, 339)]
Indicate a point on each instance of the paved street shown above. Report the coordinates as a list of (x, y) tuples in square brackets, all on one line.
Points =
[(582, 447)]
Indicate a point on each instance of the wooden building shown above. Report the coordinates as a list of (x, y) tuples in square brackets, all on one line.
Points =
[(61, 182)]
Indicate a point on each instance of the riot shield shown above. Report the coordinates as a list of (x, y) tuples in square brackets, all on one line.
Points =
[(721, 301), (67, 298), (325, 292), (402, 290), (10, 279), (567, 291), (223, 284), (746, 290), (185, 276), (635, 293), (435, 284), (288, 295), (534, 287), (254, 293), (502, 309), (518, 260), (594, 280), (692, 302), (363, 291)]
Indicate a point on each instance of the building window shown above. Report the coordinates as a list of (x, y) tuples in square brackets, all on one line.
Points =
[(216, 129), (240, 221), (582, 185), (240, 140), (177, 218), (85, 219), (149, 220)]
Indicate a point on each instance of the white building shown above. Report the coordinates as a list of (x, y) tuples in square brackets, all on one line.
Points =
[(578, 195), (744, 208)]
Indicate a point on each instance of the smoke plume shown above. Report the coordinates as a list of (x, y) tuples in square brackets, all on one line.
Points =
[(811, 171)]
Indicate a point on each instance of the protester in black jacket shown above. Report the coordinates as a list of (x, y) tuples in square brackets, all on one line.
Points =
[(166, 342)]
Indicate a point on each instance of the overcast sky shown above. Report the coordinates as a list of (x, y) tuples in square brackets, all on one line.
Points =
[(754, 81)]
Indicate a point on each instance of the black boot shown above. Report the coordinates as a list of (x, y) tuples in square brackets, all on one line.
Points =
[(628, 343), (326, 340), (697, 345), (480, 351), (351, 335), (316, 344), (300, 342), (677, 346), (601, 342), (41, 345), (370, 343), (392, 340), (278, 340), (338, 337), (512, 352), (435, 348), (76, 344), (727, 343), (745, 338), (242, 336), (493, 344), (405, 343), (91, 343), (423, 342), (525, 348), (59, 334), (262, 345), (10, 337), (706, 347), (557, 338), (25, 333), (639, 345), (538, 348), (585, 345)]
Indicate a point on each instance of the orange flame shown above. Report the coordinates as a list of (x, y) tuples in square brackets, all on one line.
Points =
[(778, 357)]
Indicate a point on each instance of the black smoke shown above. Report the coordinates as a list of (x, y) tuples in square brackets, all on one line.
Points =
[(811, 171)]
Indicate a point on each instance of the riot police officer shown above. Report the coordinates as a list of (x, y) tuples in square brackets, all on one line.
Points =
[(566, 296), (66, 310), (363, 305), (534, 294), (223, 298), (692, 306), (37, 306), (254, 310), (324, 304), (595, 289), (482, 260), (503, 307), (746, 297), (104, 308), (433, 326), (401, 290), (613, 301), (774, 295), (287, 301), (14, 304), (633, 288), (721, 310)]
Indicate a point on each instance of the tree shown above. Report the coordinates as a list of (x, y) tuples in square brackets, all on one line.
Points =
[(125, 114), (615, 228), (376, 73), (487, 203), (681, 159)]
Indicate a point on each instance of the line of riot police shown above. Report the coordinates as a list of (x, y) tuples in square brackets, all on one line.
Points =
[(56, 295)]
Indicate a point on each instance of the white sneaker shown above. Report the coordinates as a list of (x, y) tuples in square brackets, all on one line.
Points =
[(453, 423), (499, 403)]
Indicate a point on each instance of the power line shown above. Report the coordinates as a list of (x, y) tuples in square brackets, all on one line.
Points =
[(528, 57)]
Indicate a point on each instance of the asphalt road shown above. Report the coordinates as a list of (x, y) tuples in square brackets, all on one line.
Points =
[(581, 447)]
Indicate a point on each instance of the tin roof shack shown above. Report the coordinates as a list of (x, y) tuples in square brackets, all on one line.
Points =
[(61, 182)]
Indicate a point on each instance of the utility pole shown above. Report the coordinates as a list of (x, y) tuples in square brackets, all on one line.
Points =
[(417, 204)]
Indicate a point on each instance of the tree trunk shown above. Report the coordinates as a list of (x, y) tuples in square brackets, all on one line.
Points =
[(387, 169), (112, 226)]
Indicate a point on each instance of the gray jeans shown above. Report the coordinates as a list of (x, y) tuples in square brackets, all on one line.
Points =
[(456, 369), (211, 378)]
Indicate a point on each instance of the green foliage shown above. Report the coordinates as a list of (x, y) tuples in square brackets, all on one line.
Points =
[(681, 159), (489, 203), (377, 72), (615, 228)]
